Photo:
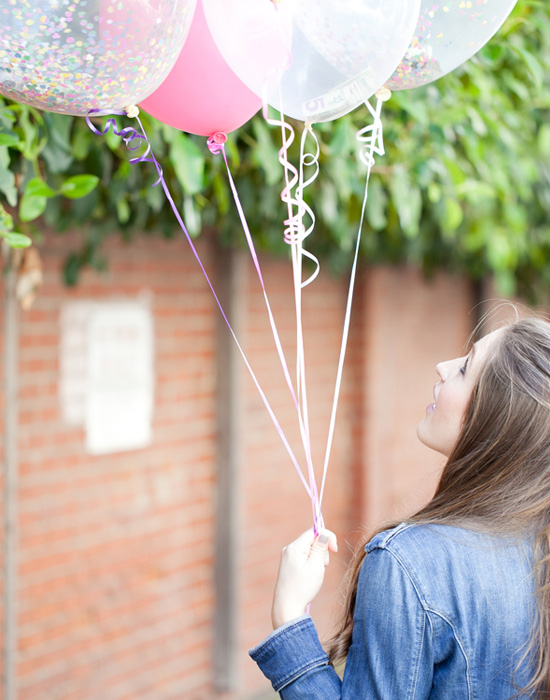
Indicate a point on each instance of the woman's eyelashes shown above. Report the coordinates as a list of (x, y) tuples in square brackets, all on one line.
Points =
[(463, 368)]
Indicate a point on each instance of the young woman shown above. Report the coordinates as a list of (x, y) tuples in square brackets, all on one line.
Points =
[(454, 604)]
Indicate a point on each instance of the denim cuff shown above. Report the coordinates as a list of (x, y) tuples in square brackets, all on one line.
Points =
[(289, 651)]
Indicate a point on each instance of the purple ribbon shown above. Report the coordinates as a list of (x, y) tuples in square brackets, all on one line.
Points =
[(134, 139)]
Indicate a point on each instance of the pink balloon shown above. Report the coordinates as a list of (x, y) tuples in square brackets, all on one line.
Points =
[(201, 94)]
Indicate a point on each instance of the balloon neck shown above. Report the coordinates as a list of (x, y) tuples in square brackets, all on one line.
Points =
[(383, 94), (216, 141), (132, 111)]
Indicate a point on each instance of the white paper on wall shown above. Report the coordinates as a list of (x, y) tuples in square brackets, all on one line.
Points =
[(107, 380)]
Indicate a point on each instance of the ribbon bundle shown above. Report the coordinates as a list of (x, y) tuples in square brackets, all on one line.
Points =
[(295, 233)]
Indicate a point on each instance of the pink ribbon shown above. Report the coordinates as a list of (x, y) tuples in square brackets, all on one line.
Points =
[(134, 140)]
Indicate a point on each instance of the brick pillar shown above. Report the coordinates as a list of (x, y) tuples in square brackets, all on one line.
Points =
[(10, 490), (230, 276)]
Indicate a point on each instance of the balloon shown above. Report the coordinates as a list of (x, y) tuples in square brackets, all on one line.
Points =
[(73, 56), (448, 33), (201, 94), (313, 60)]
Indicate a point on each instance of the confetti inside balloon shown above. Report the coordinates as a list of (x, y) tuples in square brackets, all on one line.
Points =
[(448, 33), (72, 56)]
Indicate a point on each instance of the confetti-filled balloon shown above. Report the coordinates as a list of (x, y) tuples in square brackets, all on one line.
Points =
[(448, 33), (313, 60), (72, 56)]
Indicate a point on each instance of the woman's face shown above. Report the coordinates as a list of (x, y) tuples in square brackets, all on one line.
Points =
[(441, 426)]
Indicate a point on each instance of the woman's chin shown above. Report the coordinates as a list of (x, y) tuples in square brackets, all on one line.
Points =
[(426, 437)]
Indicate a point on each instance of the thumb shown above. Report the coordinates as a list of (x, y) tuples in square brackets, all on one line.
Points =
[(321, 543), (320, 547), (326, 540)]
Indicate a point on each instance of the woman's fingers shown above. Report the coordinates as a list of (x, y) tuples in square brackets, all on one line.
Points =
[(329, 537), (301, 573), (326, 539)]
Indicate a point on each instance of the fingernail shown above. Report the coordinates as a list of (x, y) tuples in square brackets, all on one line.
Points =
[(323, 539)]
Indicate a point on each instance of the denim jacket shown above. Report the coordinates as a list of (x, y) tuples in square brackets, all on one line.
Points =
[(442, 613)]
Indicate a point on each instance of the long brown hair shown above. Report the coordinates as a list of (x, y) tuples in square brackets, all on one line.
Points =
[(497, 477)]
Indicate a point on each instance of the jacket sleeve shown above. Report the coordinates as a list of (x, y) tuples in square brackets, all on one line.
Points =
[(293, 659), (391, 655)]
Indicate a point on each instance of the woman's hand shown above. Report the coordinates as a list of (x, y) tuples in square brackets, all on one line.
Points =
[(301, 574)]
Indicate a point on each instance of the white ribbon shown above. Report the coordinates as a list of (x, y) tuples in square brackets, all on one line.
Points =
[(371, 138)]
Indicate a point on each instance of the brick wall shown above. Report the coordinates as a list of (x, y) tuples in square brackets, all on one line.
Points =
[(116, 552)]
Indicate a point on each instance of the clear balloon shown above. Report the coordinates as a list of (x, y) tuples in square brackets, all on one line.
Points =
[(313, 60), (448, 34), (72, 56), (201, 94)]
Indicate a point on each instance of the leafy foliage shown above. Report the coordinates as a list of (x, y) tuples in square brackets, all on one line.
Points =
[(464, 184)]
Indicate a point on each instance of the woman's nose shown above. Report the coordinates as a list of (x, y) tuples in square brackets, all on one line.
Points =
[(441, 369)]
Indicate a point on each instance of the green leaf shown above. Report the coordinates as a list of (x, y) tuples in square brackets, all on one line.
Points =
[(543, 141), (81, 144), (455, 171), (407, 201), (113, 140), (28, 132), (123, 210), (533, 66), (8, 139), (31, 207), (192, 216), (78, 186), (376, 206), (6, 220), (476, 191), (7, 178), (38, 188), (452, 216), (34, 199), (16, 240), (266, 154), (188, 161), (434, 192), (72, 269), (58, 151)]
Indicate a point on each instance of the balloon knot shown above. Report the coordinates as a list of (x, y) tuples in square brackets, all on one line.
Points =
[(383, 94), (132, 111), (216, 141)]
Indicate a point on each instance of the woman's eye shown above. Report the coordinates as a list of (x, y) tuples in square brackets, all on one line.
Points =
[(463, 368)]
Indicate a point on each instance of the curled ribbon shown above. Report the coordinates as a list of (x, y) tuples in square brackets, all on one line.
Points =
[(371, 139), (134, 139), (295, 233), (298, 401)]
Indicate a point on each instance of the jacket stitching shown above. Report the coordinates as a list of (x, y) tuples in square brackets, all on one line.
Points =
[(287, 680), (427, 609)]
